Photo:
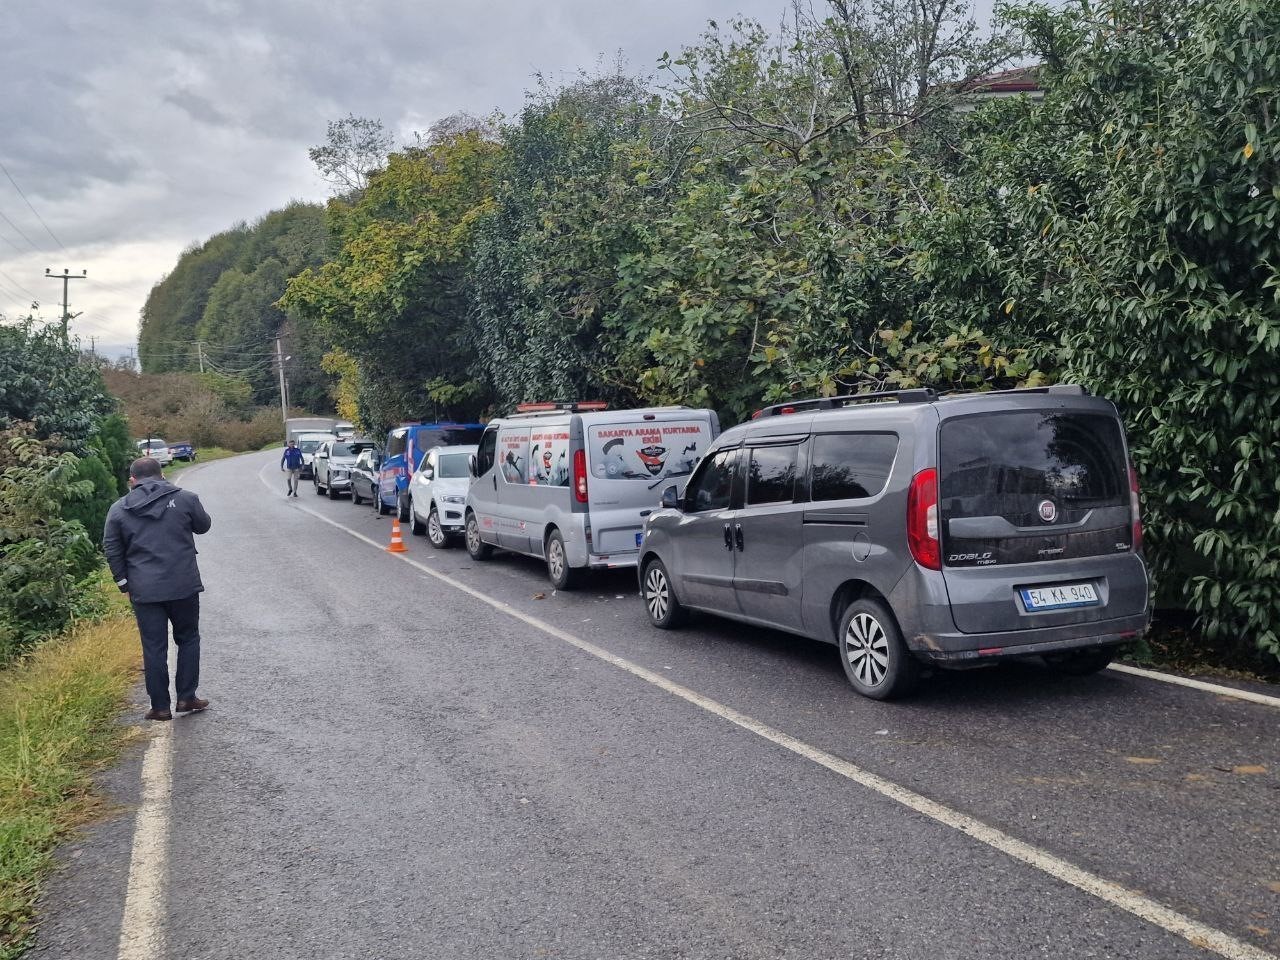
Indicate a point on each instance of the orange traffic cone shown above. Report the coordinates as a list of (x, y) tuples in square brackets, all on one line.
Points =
[(397, 544)]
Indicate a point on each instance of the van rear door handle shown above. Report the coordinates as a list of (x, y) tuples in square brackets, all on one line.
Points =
[(737, 535), (728, 537)]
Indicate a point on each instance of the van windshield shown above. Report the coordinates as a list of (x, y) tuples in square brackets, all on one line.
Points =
[(1007, 464), (309, 446)]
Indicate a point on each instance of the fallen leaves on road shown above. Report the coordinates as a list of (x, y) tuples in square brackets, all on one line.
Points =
[(539, 596), (1247, 768), (1143, 760)]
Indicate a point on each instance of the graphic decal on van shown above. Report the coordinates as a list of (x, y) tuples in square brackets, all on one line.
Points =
[(549, 453), (653, 452), (513, 455)]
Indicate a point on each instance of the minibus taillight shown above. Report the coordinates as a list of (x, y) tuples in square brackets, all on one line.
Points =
[(922, 520), (580, 475), (1135, 509)]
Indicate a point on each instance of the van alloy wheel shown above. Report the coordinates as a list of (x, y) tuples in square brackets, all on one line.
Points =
[(872, 652), (867, 649), (478, 549), (563, 576), (660, 601)]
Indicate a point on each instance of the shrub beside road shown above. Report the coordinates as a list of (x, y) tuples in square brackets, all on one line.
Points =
[(58, 710)]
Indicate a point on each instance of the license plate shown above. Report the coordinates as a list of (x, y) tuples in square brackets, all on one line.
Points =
[(639, 539), (1059, 596)]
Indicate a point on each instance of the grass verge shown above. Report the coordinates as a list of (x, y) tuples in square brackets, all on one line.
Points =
[(206, 454), (58, 709)]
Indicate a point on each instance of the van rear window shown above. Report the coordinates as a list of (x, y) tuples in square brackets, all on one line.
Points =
[(1007, 464), (647, 450)]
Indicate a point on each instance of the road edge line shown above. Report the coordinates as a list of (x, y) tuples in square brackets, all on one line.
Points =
[(1236, 694), (1196, 933), (142, 927)]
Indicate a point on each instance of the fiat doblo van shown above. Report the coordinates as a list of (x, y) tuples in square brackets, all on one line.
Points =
[(911, 528)]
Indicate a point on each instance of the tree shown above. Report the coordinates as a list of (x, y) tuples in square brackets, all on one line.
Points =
[(43, 382), (354, 148)]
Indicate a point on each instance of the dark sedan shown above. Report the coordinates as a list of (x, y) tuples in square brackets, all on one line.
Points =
[(364, 476)]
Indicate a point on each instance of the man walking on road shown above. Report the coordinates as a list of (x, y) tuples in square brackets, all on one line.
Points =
[(152, 554), (292, 462)]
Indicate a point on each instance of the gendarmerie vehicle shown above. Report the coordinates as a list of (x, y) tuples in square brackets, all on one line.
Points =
[(908, 527), (572, 482)]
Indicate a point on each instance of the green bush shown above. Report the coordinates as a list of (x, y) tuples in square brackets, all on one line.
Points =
[(44, 559)]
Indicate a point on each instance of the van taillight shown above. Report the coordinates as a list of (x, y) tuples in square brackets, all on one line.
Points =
[(1135, 509), (922, 520), (580, 475)]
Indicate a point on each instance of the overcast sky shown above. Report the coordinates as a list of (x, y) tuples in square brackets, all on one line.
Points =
[(137, 128)]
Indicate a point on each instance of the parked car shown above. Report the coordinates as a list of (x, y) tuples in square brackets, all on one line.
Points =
[(404, 450), (909, 528), (344, 429), (438, 493), (364, 477), (331, 466), (572, 483), (156, 449), (183, 450), (309, 443)]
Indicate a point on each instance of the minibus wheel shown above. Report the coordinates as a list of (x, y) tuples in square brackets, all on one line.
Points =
[(478, 549), (563, 576)]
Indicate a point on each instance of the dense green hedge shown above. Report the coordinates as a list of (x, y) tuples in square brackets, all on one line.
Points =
[(790, 217)]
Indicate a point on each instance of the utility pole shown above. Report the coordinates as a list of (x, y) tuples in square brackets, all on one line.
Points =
[(93, 346), (66, 278), (284, 388), (200, 353)]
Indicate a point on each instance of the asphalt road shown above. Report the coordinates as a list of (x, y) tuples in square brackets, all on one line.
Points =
[(394, 767)]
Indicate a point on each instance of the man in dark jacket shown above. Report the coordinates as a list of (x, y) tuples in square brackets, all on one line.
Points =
[(152, 554)]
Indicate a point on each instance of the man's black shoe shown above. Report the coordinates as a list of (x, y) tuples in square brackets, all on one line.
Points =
[(194, 705), (154, 714)]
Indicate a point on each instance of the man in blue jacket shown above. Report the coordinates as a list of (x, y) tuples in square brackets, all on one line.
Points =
[(151, 550), (292, 462)]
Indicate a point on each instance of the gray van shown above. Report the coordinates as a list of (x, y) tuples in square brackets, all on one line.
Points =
[(572, 482), (912, 528)]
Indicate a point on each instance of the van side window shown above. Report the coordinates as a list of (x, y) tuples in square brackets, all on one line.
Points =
[(771, 478), (712, 486), (513, 455), (396, 443), (851, 466), (485, 454)]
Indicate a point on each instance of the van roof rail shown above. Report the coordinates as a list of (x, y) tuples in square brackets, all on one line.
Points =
[(574, 406), (1057, 389), (915, 395)]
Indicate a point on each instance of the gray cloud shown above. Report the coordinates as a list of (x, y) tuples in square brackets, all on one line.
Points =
[(136, 127)]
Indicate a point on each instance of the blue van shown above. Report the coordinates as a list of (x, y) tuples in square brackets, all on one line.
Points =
[(403, 453)]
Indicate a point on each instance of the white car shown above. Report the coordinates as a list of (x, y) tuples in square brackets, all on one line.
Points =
[(156, 449), (438, 494)]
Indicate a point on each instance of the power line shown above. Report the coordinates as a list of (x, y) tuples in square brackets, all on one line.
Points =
[(33, 209), (20, 287), (19, 231)]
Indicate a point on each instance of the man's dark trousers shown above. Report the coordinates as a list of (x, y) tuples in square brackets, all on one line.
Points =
[(153, 625)]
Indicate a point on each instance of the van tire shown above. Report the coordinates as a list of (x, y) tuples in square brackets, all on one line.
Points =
[(874, 658), (379, 508), (477, 548), (1081, 663), (356, 499), (563, 576), (660, 601)]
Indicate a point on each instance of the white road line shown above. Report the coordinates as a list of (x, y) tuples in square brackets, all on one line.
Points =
[(1219, 689), (142, 928), (1199, 934)]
